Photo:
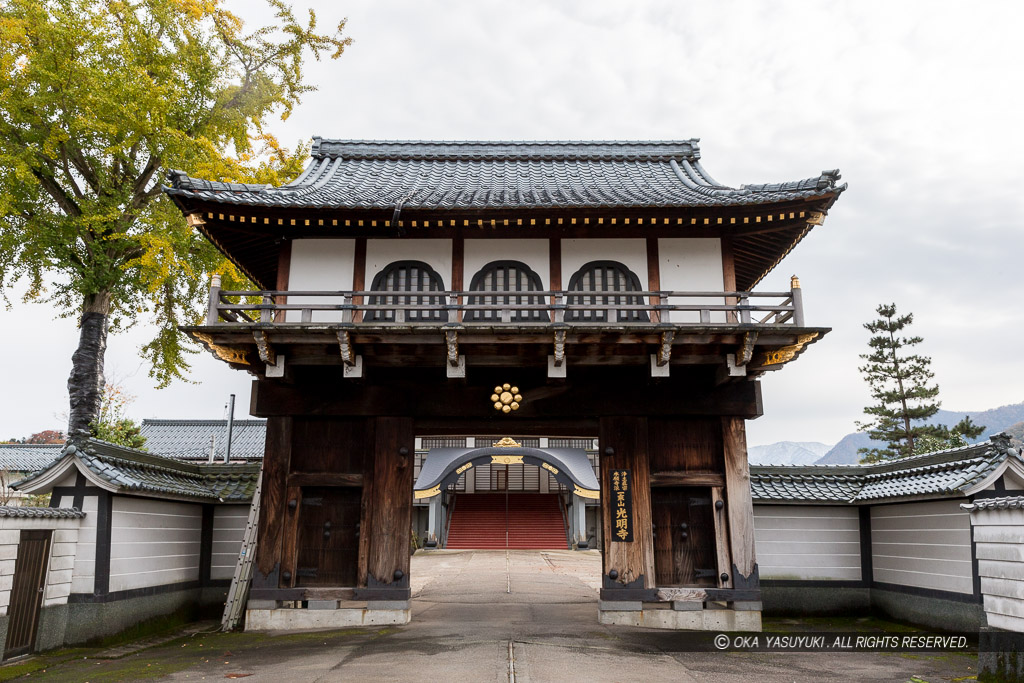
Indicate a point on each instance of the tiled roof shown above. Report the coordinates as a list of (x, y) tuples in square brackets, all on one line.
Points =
[(1004, 503), (48, 513), (130, 471), (190, 439), (940, 474), (18, 457), (366, 174)]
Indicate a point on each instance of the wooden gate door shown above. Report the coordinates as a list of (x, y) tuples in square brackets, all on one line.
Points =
[(328, 553), (27, 592), (684, 536)]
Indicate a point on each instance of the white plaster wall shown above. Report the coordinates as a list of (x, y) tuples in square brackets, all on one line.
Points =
[(84, 571), (632, 253), (435, 253), (228, 529), (60, 562), (809, 542), (534, 253), (999, 540), (927, 545), (153, 542), (692, 265), (320, 265)]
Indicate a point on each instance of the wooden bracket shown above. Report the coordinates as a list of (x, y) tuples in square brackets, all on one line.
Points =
[(746, 350), (559, 348), (452, 340), (266, 351), (345, 345), (665, 352)]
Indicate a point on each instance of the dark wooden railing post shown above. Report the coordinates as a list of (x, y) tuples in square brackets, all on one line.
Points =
[(212, 315), (346, 313), (744, 303), (266, 313), (798, 301), (559, 306)]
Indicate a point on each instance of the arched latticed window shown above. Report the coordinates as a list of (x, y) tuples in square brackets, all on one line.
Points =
[(506, 276), (407, 276), (605, 276)]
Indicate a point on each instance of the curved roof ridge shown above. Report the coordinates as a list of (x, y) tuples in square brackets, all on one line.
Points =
[(483, 149)]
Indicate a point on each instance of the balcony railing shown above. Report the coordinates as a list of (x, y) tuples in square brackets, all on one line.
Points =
[(521, 309)]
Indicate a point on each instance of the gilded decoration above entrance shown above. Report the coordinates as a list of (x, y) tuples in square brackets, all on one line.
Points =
[(508, 442), (506, 398)]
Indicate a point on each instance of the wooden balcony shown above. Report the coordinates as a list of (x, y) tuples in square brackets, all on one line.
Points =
[(741, 330)]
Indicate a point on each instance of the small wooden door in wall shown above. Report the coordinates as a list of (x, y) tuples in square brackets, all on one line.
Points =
[(27, 592), (684, 536), (328, 552)]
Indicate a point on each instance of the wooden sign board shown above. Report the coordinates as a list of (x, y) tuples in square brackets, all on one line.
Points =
[(622, 506)]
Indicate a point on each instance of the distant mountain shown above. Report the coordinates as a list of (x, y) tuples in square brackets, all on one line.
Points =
[(787, 453), (995, 420)]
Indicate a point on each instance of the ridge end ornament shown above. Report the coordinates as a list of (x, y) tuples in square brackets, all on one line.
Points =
[(506, 398)]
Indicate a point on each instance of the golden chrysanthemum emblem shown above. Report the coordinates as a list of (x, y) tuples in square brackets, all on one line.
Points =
[(506, 398)]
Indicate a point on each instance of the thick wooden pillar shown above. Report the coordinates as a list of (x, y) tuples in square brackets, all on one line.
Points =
[(387, 505), (276, 459), (739, 503), (624, 446)]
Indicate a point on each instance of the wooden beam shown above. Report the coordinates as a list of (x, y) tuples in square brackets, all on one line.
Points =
[(559, 348), (746, 350), (391, 515), (687, 479), (724, 559), (284, 266), (654, 277), (290, 538), (325, 478), (263, 346), (665, 350), (451, 338), (458, 271), (276, 459), (358, 277), (623, 445), (729, 275), (740, 505), (348, 356)]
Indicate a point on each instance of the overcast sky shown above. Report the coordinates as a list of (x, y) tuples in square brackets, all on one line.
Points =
[(919, 105)]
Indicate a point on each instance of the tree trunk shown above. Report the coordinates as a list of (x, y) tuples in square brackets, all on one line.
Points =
[(85, 385)]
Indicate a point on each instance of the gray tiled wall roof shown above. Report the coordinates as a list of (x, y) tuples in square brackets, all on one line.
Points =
[(367, 174), (132, 471), (940, 474), (190, 439), (17, 457), (47, 513), (1002, 503)]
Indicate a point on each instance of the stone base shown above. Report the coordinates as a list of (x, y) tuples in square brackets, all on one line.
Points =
[(285, 619), (683, 620)]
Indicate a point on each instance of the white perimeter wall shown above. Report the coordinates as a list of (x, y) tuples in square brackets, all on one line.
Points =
[(999, 538), (228, 528), (320, 265), (61, 559), (795, 542), (84, 562), (534, 253), (927, 545), (153, 542)]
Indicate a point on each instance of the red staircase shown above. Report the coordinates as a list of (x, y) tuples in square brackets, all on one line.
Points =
[(535, 522)]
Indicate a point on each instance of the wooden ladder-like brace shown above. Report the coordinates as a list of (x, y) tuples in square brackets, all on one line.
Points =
[(238, 594)]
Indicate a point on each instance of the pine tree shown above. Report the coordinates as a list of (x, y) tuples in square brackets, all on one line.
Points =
[(900, 385)]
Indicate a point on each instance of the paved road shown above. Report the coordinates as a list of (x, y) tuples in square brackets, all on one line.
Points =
[(489, 616)]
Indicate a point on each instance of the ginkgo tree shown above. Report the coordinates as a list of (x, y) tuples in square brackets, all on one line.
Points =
[(98, 100)]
